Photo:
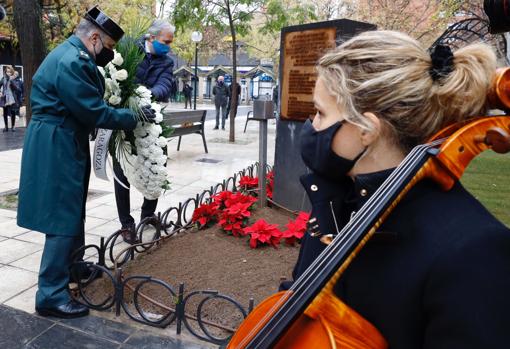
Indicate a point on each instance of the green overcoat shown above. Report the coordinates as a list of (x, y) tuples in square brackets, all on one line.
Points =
[(67, 105)]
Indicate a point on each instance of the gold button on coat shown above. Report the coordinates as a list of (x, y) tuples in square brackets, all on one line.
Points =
[(363, 192), (314, 187)]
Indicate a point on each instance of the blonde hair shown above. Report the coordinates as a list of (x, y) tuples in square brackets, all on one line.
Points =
[(388, 73)]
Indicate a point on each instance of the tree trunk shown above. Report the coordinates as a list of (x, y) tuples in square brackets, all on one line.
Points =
[(233, 98), (27, 20)]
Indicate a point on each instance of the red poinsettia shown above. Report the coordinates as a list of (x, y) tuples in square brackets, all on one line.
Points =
[(221, 197), (233, 217), (240, 198), (205, 215), (247, 182), (262, 232), (296, 229)]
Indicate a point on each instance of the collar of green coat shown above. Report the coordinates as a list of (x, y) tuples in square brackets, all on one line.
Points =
[(76, 42)]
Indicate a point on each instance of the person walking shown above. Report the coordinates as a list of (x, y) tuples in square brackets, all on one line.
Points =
[(186, 91), (8, 96), (19, 96), (221, 95), (156, 73), (67, 105)]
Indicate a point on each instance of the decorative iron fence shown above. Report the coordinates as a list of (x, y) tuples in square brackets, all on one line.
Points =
[(130, 293)]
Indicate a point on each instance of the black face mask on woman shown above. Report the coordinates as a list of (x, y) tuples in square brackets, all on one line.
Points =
[(104, 56), (317, 154)]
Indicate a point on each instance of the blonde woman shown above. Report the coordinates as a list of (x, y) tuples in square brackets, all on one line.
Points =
[(9, 97), (436, 275)]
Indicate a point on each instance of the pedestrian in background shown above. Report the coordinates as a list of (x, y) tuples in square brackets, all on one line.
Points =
[(19, 96), (8, 97), (156, 73), (221, 95), (186, 91)]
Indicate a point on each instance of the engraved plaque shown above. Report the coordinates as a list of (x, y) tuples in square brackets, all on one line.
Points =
[(301, 51)]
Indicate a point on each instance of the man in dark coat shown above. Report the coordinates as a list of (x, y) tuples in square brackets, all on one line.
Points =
[(186, 91), (221, 95), (67, 105), (156, 73)]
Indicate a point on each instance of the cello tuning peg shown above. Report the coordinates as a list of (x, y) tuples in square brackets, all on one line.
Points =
[(497, 138)]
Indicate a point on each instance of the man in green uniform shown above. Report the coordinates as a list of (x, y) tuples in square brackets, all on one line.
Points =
[(67, 105)]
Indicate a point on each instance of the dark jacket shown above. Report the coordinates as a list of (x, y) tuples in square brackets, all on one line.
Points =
[(19, 91), (16, 86), (221, 94), (156, 73), (186, 90), (435, 275)]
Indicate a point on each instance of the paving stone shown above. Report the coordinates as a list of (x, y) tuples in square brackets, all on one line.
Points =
[(32, 262), (24, 301), (141, 340), (15, 281), (10, 229), (60, 337), (103, 328), (17, 328), (32, 236), (12, 250)]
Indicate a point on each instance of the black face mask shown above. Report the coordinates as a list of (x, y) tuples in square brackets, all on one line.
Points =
[(317, 154), (104, 56)]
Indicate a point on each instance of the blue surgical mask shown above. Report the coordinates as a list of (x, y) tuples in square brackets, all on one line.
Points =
[(159, 48)]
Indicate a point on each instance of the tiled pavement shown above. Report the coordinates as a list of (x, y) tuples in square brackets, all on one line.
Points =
[(21, 330), (21, 249)]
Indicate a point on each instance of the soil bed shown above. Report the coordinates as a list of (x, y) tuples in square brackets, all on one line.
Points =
[(210, 259)]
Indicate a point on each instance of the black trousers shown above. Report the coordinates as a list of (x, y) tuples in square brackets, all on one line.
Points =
[(9, 110), (187, 100), (122, 199)]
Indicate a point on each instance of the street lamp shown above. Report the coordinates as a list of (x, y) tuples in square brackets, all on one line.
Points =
[(196, 37)]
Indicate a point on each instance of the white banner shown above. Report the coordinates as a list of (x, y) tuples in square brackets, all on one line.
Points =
[(101, 153)]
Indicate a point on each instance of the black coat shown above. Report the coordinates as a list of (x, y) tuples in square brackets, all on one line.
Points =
[(221, 94), (435, 275)]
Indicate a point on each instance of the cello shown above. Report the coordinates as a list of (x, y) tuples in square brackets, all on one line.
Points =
[(310, 315)]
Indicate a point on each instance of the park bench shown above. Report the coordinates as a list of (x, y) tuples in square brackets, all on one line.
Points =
[(185, 123)]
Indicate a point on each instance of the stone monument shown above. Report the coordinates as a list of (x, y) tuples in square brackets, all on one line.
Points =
[(300, 48)]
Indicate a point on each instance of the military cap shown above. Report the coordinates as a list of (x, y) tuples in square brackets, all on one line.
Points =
[(100, 19)]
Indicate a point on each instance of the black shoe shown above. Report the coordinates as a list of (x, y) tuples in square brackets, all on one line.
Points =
[(215, 128), (128, 235), (223, 128), (86, 275), (12, 129), (71, 309), (5, 130)]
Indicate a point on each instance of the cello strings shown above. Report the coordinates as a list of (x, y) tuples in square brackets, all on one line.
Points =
[(339, 241)]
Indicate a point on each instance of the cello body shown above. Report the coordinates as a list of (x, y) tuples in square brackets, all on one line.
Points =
[(326, 323)]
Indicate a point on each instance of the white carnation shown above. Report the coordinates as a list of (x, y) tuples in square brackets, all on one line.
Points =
[(121, 75), (114, 100), (117, 59)]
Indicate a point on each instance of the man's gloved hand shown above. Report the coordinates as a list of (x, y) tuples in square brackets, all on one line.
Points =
[(148, 114)]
